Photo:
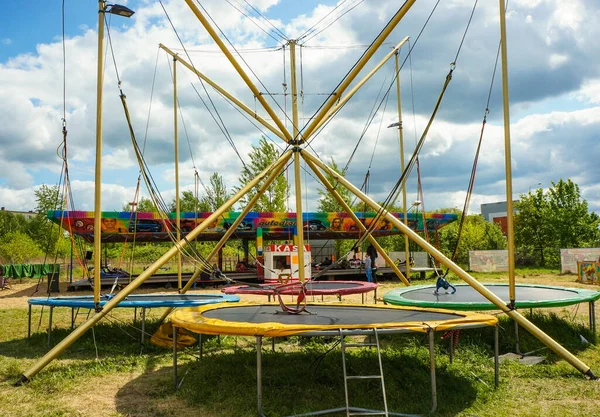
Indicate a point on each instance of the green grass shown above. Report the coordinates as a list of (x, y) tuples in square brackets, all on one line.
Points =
[(107, 373)]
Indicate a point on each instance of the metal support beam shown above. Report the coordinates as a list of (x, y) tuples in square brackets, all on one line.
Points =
[(358, 223), (225, 94), (259, 97), (440, 257)]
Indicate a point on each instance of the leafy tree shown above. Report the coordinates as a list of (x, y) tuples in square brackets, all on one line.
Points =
[(217, 193), (532, 230), (187, 202), (47, 198), (555, 219), (11, 222), (568, 216), (273, 200), (327, 202), (477, 234), (143, 205), (18, 248)]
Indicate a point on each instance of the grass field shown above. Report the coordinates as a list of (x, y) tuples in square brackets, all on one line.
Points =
[(108, 373)]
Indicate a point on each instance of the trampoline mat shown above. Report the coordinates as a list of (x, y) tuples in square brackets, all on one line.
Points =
[(325, 315), (269, 320), (466, 297)]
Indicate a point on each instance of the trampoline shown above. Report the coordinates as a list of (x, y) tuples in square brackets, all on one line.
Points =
[(466, 298), (142, 301), (322, 288), (325, 319)]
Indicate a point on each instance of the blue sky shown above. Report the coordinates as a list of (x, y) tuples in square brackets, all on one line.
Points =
[(554, 80)]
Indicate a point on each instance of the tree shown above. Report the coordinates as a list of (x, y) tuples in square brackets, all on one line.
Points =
[(568, 215), (143, 205), (187, 202), (477, 234), (555, 219), (533, 232), (216, 193), (18, 248), (327, 202), (273, 200), (11, 222)]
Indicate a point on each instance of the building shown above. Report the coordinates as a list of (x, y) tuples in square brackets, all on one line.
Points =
[(27, 214), (496, 213)]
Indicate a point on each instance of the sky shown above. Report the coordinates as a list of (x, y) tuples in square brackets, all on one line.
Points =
[(554, 95)]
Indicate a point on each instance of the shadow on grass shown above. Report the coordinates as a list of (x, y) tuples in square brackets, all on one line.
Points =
[(224, 384), (106, 338)]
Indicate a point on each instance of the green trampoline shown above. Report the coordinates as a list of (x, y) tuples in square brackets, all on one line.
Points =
[(466, 298)]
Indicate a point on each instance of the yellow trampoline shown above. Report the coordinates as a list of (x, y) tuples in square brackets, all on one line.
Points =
[(260, 320)]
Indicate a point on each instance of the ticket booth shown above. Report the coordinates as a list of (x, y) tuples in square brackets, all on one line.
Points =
[(281, 264)]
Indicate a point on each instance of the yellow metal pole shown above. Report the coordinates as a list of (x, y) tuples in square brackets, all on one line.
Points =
[(401, 141), (358, 223), (358, 67), (497, 301), (238, 68), (225, 94), (358, 85), (177, 202), (98, 168), (296, 142), (274, 173), (147, 273), (509, 200)]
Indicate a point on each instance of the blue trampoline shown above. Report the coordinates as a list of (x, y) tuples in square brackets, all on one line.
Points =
[(142, 301), (139, 300)]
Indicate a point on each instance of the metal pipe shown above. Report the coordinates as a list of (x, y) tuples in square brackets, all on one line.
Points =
[(358, 67), (29, 321), (297, 180), (339, 104), (259, 374), (259, 97), (50, 326), (507, 158), (358, 223), (176, 152), (431, 335), (276, 170), (440, 257), (496, 357), (98, 167), (175, 358), (151, 270), (225, 94), (402, 164)]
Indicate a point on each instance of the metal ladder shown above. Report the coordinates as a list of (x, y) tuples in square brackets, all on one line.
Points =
[(354, 411)]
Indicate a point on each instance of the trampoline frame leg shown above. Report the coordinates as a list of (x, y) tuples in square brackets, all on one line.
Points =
[(517, 347), (496, 356), (175, 358), (50, 326), (143, 325), (29, 322), (592, 317), (432, 370), (259, 376)]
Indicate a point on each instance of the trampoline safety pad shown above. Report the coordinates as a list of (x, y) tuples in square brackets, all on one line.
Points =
[(245, 319)]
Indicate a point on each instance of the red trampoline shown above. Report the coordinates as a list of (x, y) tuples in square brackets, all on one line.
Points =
[(338, 288)]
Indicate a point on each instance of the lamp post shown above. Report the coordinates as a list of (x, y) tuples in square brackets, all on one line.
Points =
[(125, 12)]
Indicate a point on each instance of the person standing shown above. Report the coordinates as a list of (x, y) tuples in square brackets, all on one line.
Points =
[(368, 269)]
